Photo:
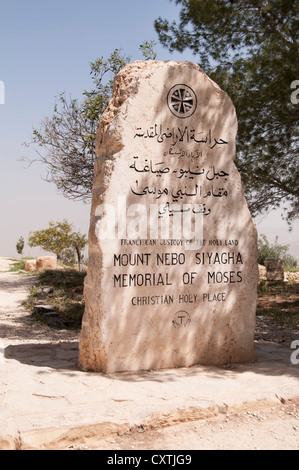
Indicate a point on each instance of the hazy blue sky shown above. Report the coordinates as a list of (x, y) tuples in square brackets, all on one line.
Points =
[(46, 48)]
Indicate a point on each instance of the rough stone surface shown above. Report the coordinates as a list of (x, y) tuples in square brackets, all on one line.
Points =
[(167, 140), (30, 265), (46, 262), (274, 269)]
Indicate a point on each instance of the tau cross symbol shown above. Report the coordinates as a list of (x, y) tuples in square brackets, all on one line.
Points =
[(181, 319)]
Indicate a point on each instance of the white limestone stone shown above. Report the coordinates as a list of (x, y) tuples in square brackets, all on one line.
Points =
[(166, 149)]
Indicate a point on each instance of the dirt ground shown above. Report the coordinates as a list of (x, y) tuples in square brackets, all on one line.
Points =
[(274, 428)]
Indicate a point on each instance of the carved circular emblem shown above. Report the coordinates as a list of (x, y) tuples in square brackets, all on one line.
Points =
[(182, 101), (181, 319)]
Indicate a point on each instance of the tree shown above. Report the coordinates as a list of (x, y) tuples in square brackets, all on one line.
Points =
[(250, 48), (20, 245), (147, 49), (65, 143), (59, 238)]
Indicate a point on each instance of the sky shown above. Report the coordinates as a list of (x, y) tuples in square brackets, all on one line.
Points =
[(46, 48)]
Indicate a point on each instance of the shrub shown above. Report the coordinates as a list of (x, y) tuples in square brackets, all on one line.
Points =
[(275, 250)]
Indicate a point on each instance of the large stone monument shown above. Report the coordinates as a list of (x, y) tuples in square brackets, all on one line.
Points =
[(172, 273)]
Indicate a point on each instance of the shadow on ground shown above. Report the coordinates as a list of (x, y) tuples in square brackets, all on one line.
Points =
[(271, 359)]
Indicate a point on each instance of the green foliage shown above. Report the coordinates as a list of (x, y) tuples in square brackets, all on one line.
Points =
[(61, 279), (68, 257), (275, 250), (59, 238), (102, 73), (18, 265), (290, 263), (65, 143), (250, 48), (282, 303), (147, 49), (66, 297), (20, 245)]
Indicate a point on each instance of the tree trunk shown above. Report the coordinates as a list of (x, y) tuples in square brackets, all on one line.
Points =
[(79, 256)]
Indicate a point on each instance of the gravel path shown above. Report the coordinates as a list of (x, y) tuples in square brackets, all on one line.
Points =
[(16, 325), (271, 428)]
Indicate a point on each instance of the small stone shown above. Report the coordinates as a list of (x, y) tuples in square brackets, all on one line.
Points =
[(46, 262), (42, 308), (30, 265), (48, 290)]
